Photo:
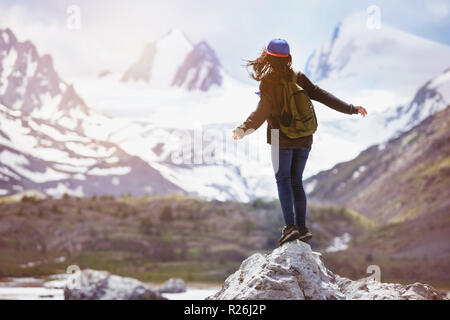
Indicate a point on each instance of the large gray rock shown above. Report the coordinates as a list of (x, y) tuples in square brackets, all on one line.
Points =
[(173, 285), (101, 285), (294, 272)]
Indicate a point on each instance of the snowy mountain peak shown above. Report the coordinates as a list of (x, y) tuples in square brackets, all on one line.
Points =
[(176, 35), (173, 60), (319, 67), (7, 38), (29, 82), (207, 52), (200, 70), (51, 141), (430, 98), (392, 58)]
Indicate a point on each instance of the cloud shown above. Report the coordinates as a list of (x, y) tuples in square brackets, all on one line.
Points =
[(76, 53), (437, 9)]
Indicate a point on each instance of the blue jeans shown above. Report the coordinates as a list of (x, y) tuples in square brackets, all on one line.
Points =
[(288, 174)]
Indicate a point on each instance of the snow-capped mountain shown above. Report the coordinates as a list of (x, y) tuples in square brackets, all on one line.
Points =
[(174, 60), (222, 108), (380, 69), (29, 83), (45, 140), (431, 97), (51, 141), (39, 154), (375, 67), (149, 142), (200, 70)]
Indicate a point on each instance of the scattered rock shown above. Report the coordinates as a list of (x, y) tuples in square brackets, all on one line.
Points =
[(101, 285), (173, 285), (369, 289), (294, 272)]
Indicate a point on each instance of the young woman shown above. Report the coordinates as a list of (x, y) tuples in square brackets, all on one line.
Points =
[(290, 156)]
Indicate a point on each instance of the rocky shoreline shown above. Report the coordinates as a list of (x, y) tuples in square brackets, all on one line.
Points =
[(291, 272)]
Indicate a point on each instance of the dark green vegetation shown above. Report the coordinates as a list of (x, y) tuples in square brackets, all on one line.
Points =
[(404, 188), (149, 238)]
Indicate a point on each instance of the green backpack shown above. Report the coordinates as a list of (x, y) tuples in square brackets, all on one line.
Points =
[(297, 118)]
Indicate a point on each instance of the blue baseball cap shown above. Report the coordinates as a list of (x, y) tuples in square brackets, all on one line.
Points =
[(278, 48)]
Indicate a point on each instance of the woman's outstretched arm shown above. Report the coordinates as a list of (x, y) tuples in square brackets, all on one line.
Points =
[(255, 119), (318, 94)]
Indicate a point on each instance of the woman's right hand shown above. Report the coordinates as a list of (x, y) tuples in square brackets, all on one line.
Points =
[(362, 111)]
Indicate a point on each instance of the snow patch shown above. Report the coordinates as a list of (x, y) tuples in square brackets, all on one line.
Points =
[(49, 107), (31, 65), (311, 186), (109, 171), (41, 177), (91, 150), (79, 176), (339, 243), (9, 173), (61, 188), (68, 122), (13, 159), (358, 172), (7, 64), (171, 51), (382, 146), (70, 168)]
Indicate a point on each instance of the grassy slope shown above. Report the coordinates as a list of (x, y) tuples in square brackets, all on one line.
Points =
[(409, 178), (405, 190), (408, 251)]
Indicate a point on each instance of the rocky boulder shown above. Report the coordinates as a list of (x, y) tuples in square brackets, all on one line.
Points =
[(294, 272), (173, 285), (101, 285)]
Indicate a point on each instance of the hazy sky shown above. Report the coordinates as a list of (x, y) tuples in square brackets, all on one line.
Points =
[(113, 32)]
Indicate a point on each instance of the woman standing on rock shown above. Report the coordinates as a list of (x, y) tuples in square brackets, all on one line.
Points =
[(285, 105)]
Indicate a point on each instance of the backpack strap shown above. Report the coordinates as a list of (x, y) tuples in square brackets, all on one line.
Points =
[(295, 76), (288, 98)]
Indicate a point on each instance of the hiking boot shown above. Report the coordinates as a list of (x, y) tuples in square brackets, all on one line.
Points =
[(289, 233), (304, 234)]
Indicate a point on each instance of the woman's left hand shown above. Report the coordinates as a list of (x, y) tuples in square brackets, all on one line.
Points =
[(362, 111), (238, 134)]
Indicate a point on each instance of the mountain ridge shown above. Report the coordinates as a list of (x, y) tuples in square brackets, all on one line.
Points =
[(46, 140), (411, 161), (173, 60)]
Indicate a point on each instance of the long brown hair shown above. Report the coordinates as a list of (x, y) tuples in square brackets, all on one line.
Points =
[(268, 66)]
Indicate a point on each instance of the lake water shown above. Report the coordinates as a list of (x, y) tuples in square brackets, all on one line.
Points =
[(52, 289)]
